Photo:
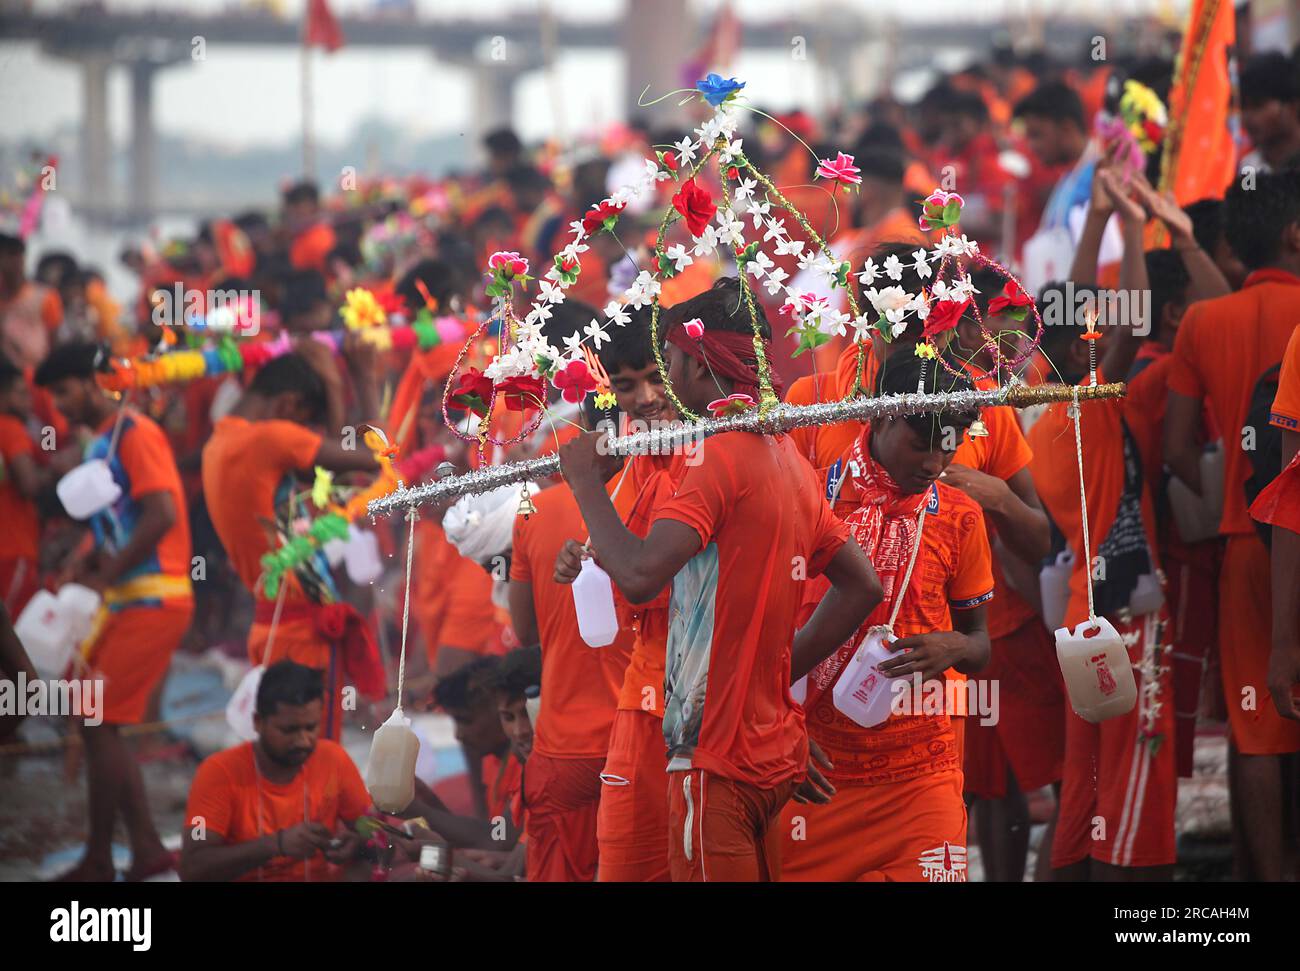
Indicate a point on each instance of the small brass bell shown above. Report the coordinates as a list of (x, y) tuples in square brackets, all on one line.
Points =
[(978, 429), (526, 507)]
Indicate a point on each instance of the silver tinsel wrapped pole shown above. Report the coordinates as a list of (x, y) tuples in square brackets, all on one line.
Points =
[(781, 418)]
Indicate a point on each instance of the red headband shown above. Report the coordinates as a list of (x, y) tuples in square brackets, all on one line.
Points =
[(728, 354)]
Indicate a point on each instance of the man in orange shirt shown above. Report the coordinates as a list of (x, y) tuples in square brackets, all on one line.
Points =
[(281, 807), (253, 469), (1223, 348), (141, 567), (311, 238), (21, 480), (632, 821), (896, 810), (1119, 786), (735, 738), (571, 737), (1284, 660)]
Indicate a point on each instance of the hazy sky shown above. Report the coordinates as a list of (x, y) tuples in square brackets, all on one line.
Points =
[(243, 96)]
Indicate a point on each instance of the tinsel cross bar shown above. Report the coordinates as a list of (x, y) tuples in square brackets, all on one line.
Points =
[(776, 419)]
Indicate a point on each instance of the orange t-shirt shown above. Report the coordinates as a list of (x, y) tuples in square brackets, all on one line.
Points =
[(1056, 473), (452, 601), (580, 684), (312, 246), (503, 780), (760, 516), (953, 571), (248, 469), (143, 464), (1286, 405), (1223, 347), (228, 797), (20, 538)]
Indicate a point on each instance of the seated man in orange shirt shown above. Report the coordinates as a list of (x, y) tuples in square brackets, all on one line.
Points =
[(747, 523), (280, 807), (141, 566), (256, 469), (896, 812)]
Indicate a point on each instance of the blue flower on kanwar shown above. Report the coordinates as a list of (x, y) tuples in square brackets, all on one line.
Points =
[(717, 89)]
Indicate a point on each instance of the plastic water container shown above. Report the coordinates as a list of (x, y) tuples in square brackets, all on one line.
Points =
[(862, 692), (45, 634), (88, 489), (390, 772), (361, 557), (1147, 596), (335, 550), (79, 605), (1054, 588), (593, 600), (243, 704), (533, 704), (1197, 517), (799, 690), (1097, 672)]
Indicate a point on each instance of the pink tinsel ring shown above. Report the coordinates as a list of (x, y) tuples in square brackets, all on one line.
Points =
[(1000, 363)]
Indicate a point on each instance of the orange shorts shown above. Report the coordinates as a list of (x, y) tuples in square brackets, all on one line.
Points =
[(900, 832), (1118, 796), (632, 823), (1245, 623), (723, 830), (1029, 735), (562, 797), (132, 653), (1193, 591), (299, 641)]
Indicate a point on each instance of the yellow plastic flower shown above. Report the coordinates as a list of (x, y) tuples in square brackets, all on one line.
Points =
[(605, 400), (321, 486), (361, 310), (925, 350)]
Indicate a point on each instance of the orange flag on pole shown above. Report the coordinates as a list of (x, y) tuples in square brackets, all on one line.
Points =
[(1200, 156)]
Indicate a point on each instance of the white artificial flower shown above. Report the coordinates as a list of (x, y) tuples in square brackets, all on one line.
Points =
[(679, 256), (571, 251), (940, 291), (896, 329), (550, 292), (578, 229), (573, 344), (776, 280), (709, 131), (964, 288), (616, 314), (809, 260), (730, 230), (869, 273), (920, 263), (596, 333), (745, 190), (759, 211), (759, 265), (776, 231), (706, 242), (894, 267), (891, 302), (861, 328), (685, 151)]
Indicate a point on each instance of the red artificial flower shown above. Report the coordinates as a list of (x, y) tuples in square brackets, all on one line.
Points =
[(732, 404), (670, 161), (1011, 300), (944, 315), (391, 303), (695, 205), (574, 381), (472, 391), (733, 173), (595, 218), (840, 169), (522, 392), (512, 263), (694, 328)]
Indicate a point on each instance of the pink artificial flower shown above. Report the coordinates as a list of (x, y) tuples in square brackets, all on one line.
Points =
[(574, 381), (938, 198), (841, 170), (694, 328), (512, 263), (732, 404)]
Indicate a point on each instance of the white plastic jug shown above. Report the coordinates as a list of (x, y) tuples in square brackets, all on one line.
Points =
[(862, 692), (45, 635), (799, 690), (1197, 517), (593, 601), (243, 704), (361, 557), (1097, 672), (88, 489), (79, 605), (390, 772), (1054, 588)]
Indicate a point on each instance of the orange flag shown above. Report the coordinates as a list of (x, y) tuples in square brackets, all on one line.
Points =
[(1200, 156)]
